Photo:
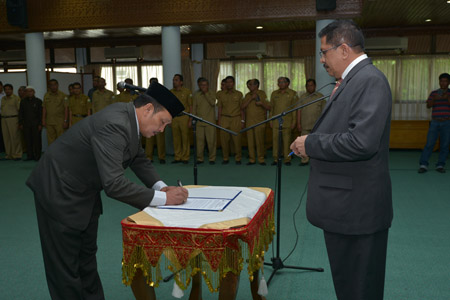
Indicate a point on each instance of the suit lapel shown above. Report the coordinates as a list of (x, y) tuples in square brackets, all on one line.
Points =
[(352, 73), (134, 135)]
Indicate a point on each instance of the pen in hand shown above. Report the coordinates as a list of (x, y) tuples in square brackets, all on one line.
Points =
[(179, 183)]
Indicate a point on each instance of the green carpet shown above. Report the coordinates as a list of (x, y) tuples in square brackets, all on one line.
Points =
[(418, 263)]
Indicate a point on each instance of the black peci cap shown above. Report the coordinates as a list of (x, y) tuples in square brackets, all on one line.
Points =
[(166, 98)]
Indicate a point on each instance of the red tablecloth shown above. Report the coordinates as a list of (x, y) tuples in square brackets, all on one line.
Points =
[(188, 251)]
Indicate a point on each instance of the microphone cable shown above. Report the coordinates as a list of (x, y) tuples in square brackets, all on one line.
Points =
[(295, 225)]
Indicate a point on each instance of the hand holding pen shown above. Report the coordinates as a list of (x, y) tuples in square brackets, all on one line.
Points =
[(175, 194)]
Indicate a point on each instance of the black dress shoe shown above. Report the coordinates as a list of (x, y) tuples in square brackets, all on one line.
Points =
[(422, 170), (225, 162), (212, 162), (262, 163), (287, 163), (238, 162), (440, 170), (175, 161), (17, 159), (199, 162), (250, 163), (28, 159), (162, 161), (185, 162), (274, 163)]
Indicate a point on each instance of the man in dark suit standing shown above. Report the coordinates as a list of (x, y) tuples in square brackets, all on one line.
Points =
[(349, 188), (89, 158)]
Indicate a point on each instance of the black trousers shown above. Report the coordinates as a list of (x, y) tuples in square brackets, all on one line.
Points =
[(2, 144), (33, 141), (70, 258), (358, 264)]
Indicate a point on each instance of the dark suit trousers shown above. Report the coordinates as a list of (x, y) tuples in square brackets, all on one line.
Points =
[(358, 264), (33, 141), (69, 258)]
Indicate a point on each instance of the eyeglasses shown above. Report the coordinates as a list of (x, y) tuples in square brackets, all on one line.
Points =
[(324, 52)]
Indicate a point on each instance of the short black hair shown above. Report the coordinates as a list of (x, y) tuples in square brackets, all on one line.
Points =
[(254, 80), (145, 99), (129, 81), (8, 85), (179, 76), (76, 83), (230, 77), (443, 75), (223, 80), (343, 31), (310, 80), (53, 80), (201, 79), (153, 79), (285, 79)]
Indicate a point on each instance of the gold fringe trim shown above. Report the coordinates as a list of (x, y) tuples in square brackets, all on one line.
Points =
[(232, 261)]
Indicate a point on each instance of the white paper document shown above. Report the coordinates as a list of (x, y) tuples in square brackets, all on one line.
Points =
[(218, 206), (203, 199)]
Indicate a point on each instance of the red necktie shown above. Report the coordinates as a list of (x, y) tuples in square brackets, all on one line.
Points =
[(338, 83)]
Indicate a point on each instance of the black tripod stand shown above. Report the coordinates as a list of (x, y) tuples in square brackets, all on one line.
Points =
[(277, 262), (196, 119)]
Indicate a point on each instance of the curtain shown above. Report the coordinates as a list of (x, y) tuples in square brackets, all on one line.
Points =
[(106, 71), (267, 72), (150, 71), (210, 70), (310, 67), (188, 74), (412, 79)]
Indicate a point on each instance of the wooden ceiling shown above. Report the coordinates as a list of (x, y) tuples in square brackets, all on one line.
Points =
[(376, 17)]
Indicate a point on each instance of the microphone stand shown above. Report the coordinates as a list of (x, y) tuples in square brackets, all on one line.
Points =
[(194, 130), (196, 119), (277, 262)]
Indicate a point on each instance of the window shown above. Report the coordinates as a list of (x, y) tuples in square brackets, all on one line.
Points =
[(117, 73), (267, 72), (150, 71)]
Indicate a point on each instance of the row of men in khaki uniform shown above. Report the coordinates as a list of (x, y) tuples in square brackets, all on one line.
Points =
[(21, 122), (236, 112)]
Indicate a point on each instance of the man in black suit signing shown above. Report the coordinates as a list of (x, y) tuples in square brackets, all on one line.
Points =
[(349, 187), (89, 158)]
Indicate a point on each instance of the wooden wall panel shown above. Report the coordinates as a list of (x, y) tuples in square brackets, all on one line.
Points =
[(301, 48), (443, 43), (50, 15), (419, 44)]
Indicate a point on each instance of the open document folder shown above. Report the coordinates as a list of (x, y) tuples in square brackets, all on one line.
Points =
[(244, 204), (207, 199)]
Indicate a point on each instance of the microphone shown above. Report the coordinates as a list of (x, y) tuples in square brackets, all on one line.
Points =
[(125, 85)]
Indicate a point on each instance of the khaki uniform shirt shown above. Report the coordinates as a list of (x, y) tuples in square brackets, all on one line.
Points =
[(79, 105), (230, 103), (55, 105), (125, 96), (185, 97), (204, 105), (280, 102), (310, 113), (10, 106), (255, 113), (101, 100)]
